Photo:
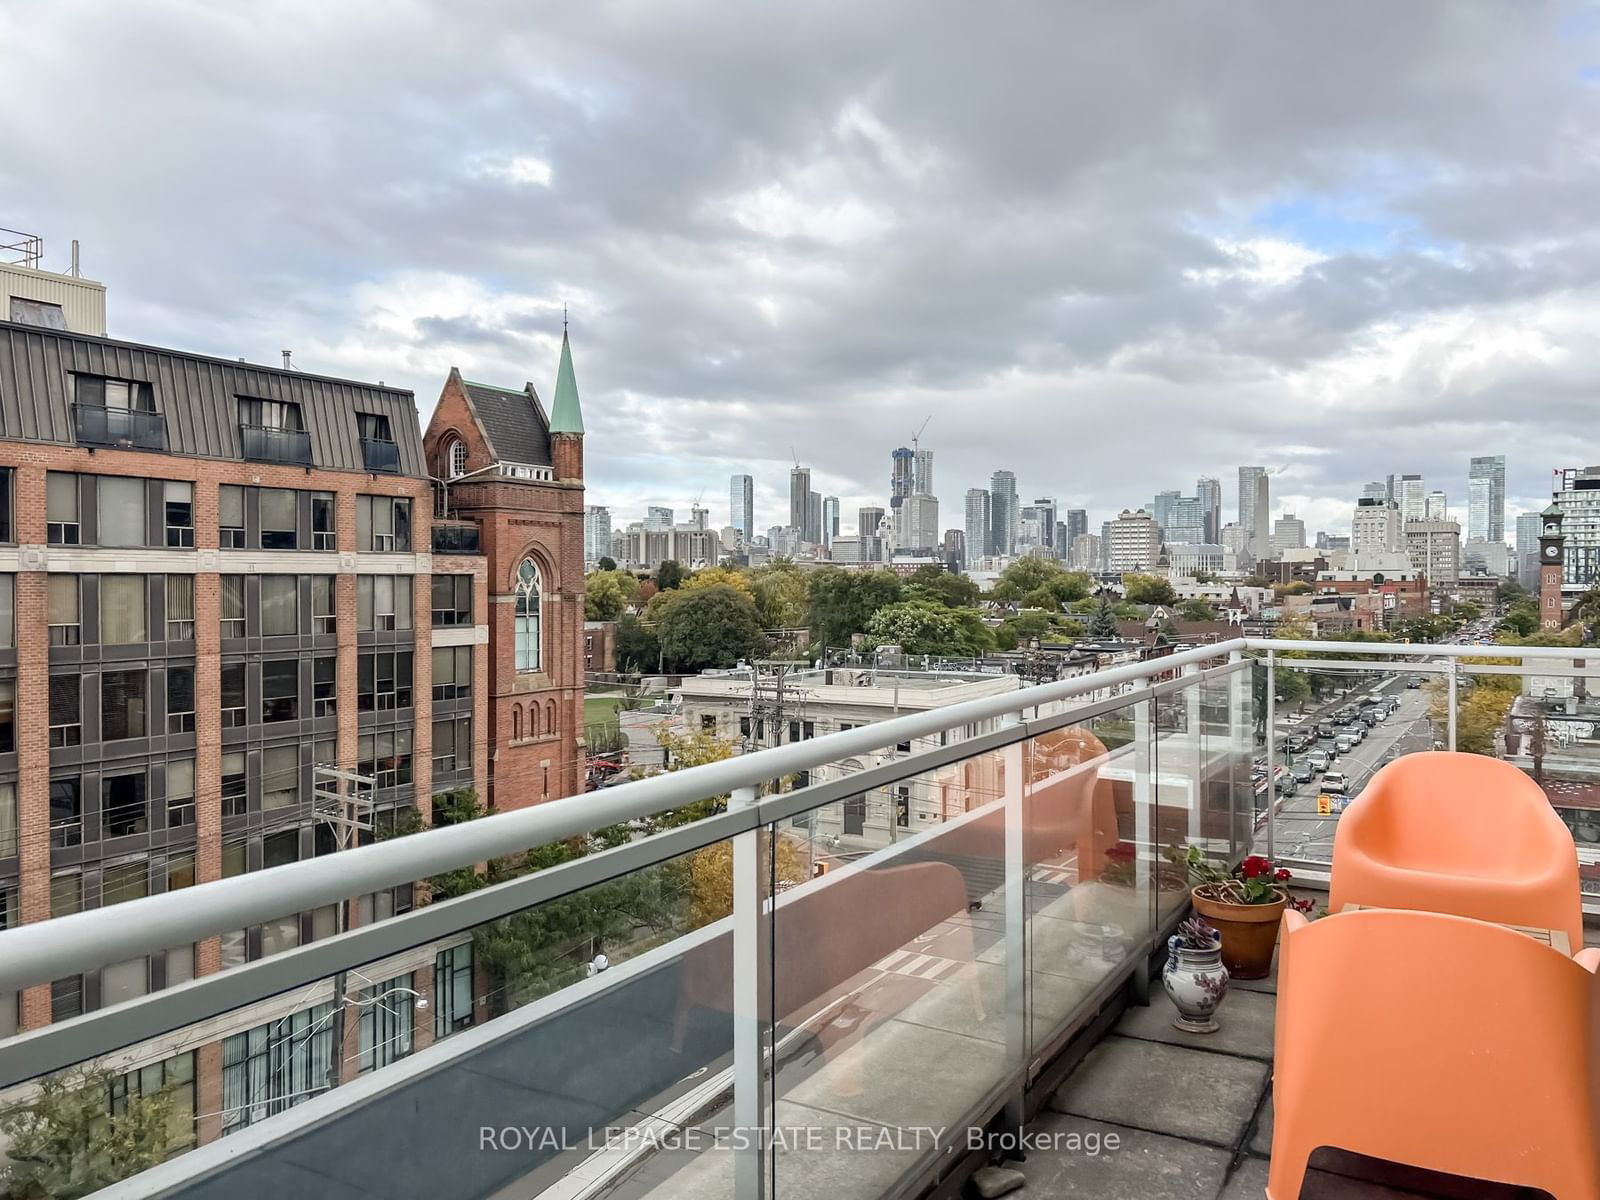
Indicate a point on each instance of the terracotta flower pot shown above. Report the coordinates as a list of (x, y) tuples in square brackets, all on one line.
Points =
[(1249, 931)]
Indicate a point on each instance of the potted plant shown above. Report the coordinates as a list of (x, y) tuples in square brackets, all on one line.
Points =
[(1245, 905), (1194, 976)]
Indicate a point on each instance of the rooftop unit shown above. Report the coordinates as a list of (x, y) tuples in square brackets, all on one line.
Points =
[(30, 295)]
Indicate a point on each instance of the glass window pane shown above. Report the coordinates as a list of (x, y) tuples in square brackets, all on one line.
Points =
[(122, 610), (121, 511), (122, 704), (180, 598), (230, 506), (277, 508), (61, 496), (63, 599), (280, 614), (124, 981), (8, 621), (280, 777), (180, 967)]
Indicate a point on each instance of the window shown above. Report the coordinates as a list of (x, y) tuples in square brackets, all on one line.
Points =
[(235, 791), (386, 757), (280, 777), (231, 605), (324, 617), (387, 1018), (234, 943), (280, 849), (373, 427), (66, 814), (61, 509), (126, 881), (280, 690), (66, 894), (8, 826), (452, 599), (121, 511), (452, 672), (121, 394), (64, 619), (123, 809), (273, 1067), (383, 680), (280, 605), (230, 517), (124, 981), (180, 608), (452, 990), (324, 686), (233, 863), (7, 483), (180, 962), (277, 518), (66, 710), (456, 458), (708, 722), (8, 612), (383, 523), (281, 415), (179, 500), (322, 526), (8, 716), (122, 610), (173, 1077), (452, 745), (180, 874), (528, 650), (383, 602), (180, 699), (180, 792), (122, 704), (66, 998), (233, 705)]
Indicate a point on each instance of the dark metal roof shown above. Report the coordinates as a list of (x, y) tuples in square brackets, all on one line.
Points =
[(515, 422), (196, 394)]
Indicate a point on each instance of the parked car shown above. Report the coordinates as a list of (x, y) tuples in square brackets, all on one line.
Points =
[(1345, 743), (1317, 760), (1334, 783), (1286, 784), (1354, 730)]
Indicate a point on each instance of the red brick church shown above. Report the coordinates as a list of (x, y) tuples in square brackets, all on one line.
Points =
[(518, 473)]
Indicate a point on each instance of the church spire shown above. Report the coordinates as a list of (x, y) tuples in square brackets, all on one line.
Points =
[(566, 415)]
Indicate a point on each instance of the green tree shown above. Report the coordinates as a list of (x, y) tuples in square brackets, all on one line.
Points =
[(840, 603), (1197, 609), (669, 575), (1024, 580), (780, 592), (638, 648), (66, 1141), (923, 627), (1521, 618), (939, 586), (1029, 625), (606, 563), (1103, 624), (1148, 589), (708, 627), (607, 594)]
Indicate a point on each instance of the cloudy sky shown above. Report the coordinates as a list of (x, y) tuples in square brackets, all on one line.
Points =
[(1109, 247)]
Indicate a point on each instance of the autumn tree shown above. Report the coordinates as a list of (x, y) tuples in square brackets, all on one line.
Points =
[(1148, 589), (922, 627), (607, 595), (780, 595)]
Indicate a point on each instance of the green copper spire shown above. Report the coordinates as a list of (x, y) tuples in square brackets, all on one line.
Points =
[(565, 414)]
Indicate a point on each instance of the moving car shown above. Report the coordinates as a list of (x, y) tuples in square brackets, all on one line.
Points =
[(1345, 743), (1334, 783), (1317, 760), (1286, 784), (1303, 771), (1413, 682)]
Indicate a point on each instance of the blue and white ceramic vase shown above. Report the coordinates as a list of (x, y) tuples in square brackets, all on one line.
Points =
[(1197, 982)]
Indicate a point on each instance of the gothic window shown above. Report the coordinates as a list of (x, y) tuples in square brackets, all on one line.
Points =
[(528, 648)]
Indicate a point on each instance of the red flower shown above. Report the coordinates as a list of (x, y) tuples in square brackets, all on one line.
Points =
[(1122, 852), (1254, 866), (1281, 874)]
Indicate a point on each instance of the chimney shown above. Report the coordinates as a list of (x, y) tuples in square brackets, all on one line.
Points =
[(286, 363), (75, 258)]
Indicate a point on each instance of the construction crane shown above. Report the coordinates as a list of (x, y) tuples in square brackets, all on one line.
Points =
[(794, 456), (917, 436)]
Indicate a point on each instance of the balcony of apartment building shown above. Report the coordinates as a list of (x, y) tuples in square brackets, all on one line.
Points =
[(890, 970), (456, 537), (273, 431), (116, 413)]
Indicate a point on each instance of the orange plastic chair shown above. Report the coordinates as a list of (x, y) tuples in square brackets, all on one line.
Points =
[(1439, 1042), (1458, 833)]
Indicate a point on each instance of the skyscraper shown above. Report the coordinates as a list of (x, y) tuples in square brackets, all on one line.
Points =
[(868, 520), (1436, 506), (742, 506), (813, 532), (1004, 514), (922, 474), (830, 519), (978, 523), (657, 518), (1209, 492), (596, 534), (1529, 526), (1077, 523), (1412, 497), (1255, 509), (1046, 513), (1186, 521), (1161, 510), (902, 483), (1288, 533), (1486, 498), (1376, 490), (800, 500)]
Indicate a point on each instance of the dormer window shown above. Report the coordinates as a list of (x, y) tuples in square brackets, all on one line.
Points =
[(378, 451), (273, 431), (116, 412)]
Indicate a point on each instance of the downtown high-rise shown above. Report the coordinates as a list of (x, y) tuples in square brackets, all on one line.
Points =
[(978, 525), (1255, 509), (1486, 498), (742, 506), (1004, 514)]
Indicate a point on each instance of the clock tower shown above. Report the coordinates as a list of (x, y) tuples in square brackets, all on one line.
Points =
[(1551, 545)]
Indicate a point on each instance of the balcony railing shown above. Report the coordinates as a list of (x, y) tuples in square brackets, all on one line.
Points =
[(1014, 866), (123, 428), (456, 537), (260, 444), (379, 454)]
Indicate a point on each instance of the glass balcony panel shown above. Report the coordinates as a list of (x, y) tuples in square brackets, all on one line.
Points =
[(455, 537), (129, 429), (379, 454), (260, 444)]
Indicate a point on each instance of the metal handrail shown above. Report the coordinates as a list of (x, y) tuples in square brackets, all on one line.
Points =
[(46, 950)]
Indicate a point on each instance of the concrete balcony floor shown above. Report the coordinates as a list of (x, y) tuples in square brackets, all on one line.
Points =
[(1193, 1115)]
